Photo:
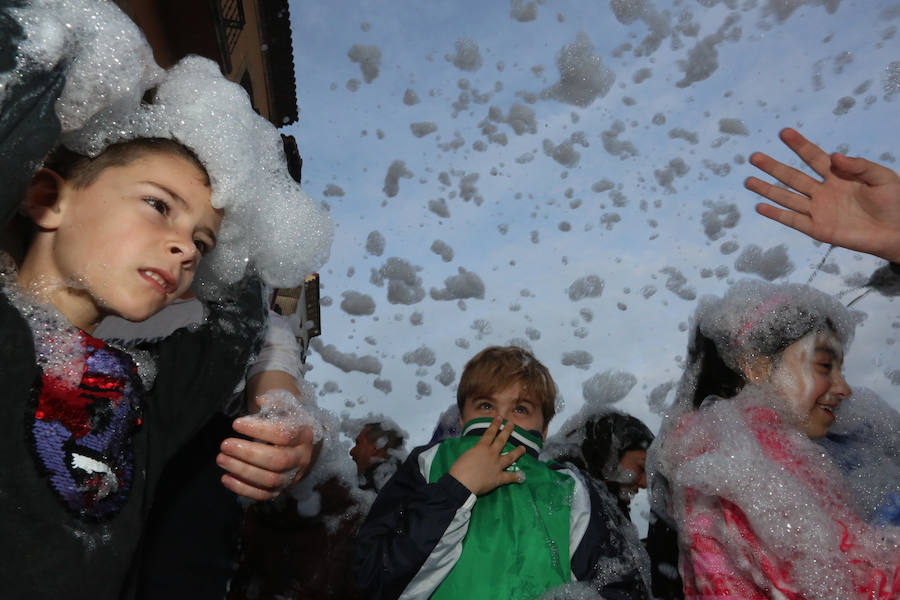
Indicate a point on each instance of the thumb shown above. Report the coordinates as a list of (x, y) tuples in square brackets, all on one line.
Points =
[(866, 171)]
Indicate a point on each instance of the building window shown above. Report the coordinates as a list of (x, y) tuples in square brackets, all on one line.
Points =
[(233, 21)]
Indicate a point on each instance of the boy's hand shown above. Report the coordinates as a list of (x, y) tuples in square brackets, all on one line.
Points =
[(481, 467), (262, 469), (856, 205)]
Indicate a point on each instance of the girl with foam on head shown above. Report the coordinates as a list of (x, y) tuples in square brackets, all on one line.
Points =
[(761, 511)]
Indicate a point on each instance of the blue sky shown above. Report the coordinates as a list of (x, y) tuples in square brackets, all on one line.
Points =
[(774, 70)]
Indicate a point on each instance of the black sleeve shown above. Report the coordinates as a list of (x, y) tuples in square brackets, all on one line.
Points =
[(405, 524), (29, 127), (662, 546), (197, 370), (605, 555)]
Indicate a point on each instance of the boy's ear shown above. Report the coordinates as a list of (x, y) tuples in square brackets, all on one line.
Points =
[(41, 203), (755, 369)]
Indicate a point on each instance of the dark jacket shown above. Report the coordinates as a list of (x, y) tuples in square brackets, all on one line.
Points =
[(50, 547)]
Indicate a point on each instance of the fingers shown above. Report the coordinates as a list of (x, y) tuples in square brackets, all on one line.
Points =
[(794, 220), (815, 157), (266, 456), (786, 198), (274, 432), (251, 481), (493, 435), (789, 176), (504, 434), (490, 434), (247, 490)]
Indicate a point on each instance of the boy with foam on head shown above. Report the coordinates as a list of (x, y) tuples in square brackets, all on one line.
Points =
[(479, 516), (122, 217)]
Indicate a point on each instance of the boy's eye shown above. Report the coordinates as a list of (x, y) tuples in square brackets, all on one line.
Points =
[(158, 205), (484, 406), (202, 247), (522, 410)]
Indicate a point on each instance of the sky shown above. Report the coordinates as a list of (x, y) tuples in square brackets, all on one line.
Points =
[(568, 175)]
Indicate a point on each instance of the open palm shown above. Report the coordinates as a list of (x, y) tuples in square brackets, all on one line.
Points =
[(856, 204)]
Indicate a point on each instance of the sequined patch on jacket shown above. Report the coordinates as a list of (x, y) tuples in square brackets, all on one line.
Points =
[(82, 435)]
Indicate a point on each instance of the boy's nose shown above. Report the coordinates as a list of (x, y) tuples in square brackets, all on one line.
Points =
[(185, 250)]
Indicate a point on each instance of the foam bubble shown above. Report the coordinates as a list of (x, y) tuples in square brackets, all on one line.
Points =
[(108, 60)]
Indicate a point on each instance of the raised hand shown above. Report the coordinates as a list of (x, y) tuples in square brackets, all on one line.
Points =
[(856, 204), (481, 467), (283, 449)]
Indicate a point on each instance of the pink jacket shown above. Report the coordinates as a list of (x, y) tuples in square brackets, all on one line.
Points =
[(762, 513)]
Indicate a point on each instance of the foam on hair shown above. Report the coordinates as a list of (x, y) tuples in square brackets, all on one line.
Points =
[(269, 220), (756, 319)]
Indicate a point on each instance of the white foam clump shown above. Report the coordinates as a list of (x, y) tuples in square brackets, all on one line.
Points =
[(269, 219), (57, 344), (422, 356), (333, 463), (442, 249), (677, 283), (719, 216), (580, 359), (590, 286), (107, 59), (356, 304), (467, 57), (608, 387), (582, 75), (346, 361), (288, 411), (369, 59), (456, 287)]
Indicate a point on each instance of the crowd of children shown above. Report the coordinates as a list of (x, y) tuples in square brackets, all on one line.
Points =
[(112, 213)]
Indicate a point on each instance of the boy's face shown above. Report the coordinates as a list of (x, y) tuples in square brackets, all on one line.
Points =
[(130, 242), (365, 450), (509, 403)]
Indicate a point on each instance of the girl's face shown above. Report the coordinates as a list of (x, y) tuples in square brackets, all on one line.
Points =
[(809, 377)]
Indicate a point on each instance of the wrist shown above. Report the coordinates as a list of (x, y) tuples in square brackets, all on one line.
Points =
[(463, 480)]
